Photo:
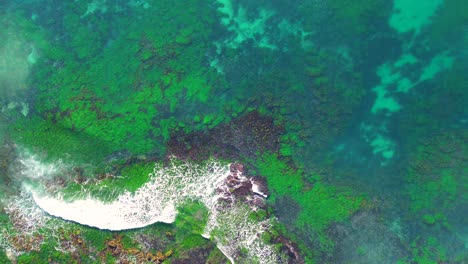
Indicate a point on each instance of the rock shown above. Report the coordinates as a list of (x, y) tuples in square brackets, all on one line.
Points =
[(237, 187), (133, 251), (237, 168), (290, 249), (112, 244), (159, 256), (243, 189), (259, 186), (258, 201), (149, 256)]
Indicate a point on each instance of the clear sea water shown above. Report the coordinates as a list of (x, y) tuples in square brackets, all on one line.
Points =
[(368, 98)]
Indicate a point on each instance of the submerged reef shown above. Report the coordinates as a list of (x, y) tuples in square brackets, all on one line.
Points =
[(233, 131)]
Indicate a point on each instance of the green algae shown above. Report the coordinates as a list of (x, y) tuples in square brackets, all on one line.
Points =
[(129, 179), (4, 258), (46, 255), (435, 196), (431, 200), (123, 99), (55, 142), (134, 176), (432, 186), (108, 189), (191, 219), (324, 206), (154, 87), (95, 238), (216, 256), (431, 219), (94, 244), (183, 236), (320, 204), (426, 251), (430, 111)]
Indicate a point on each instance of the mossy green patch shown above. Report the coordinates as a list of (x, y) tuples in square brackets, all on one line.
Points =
[(435, 181), (135, 99), (127, 242), (56, 142), (432, 219), (191, 219), (216, 256), (282, 179), (3, 258), (320, 204), (134, 176), (427, 251), (324, 204), (439, 192), (96, 238), (130, 179), (47, 254), (109, 258)]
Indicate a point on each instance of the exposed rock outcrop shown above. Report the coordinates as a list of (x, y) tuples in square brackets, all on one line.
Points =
[(238, 187)]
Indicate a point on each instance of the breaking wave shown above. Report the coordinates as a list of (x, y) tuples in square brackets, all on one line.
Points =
[(229, 223)]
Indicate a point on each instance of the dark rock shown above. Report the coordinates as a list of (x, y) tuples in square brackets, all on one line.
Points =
[(242, 137)]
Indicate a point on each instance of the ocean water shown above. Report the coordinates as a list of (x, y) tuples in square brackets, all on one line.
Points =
[(218, 131)]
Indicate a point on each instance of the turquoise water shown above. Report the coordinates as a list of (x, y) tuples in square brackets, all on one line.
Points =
[(351, 113)]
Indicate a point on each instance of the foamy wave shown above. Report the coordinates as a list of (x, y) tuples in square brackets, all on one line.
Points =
[(156, 201), (170, 186), (234, 230)]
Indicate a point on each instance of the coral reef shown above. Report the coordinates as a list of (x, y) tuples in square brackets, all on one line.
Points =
[(233, 131)]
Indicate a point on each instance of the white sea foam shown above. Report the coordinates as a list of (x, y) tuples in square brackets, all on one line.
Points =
[(256, 189), (156, 201), (26, 218), (17, 55), (32, 168), (234, 229)]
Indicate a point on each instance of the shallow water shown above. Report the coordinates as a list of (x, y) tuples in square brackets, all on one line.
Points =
[(353, 115)]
